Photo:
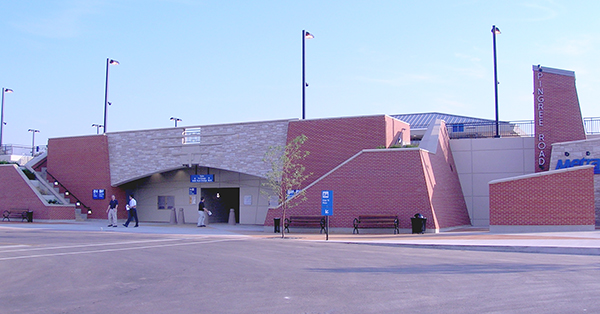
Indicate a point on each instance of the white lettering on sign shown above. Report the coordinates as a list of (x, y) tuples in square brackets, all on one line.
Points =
[(539, 99), (541, 145)]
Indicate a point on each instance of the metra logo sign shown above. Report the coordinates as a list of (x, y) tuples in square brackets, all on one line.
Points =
[(568, 163)]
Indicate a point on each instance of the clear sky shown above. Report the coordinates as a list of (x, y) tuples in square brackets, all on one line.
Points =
[(220, 61)]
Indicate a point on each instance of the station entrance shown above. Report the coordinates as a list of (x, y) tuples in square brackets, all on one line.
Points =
[(219, 201)]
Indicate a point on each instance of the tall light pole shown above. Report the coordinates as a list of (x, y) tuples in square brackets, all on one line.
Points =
[(108, 63), (305, 35), (175, 119), (496, 30), (4, 90), (98, 126), (33, 131)]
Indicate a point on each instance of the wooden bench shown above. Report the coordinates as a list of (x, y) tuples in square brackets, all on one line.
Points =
[(376, 221), (15, 213), (305, 221)]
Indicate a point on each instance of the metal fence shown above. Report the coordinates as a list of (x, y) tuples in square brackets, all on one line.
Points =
[(21, 150), (488, 129), (592, 125), (522, 128)]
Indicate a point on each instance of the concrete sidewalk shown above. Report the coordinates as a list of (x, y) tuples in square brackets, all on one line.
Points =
[(578, 243)]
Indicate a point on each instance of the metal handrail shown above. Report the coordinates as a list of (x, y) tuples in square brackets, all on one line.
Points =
[(89, 209)]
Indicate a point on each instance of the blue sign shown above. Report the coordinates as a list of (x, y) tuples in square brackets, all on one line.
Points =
[(193, 191), (201, 178), (568, 163), (291, 193), (98, 194), (326, 202)]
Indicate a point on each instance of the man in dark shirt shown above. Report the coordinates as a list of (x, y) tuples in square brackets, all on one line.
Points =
[(112, 211)]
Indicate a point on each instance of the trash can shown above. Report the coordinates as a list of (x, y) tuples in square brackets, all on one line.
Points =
[(418, 223), (276, 225), (29, 216)]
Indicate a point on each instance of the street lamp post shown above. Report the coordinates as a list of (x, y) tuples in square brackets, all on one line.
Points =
[(496, 30), (4, 90), (108, 63), (33, 131), (305, 35), (176, 120), (98, 126)]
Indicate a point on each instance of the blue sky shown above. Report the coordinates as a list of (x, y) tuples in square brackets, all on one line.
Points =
[(212, 62)]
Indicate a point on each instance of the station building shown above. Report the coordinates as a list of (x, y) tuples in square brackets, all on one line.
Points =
[(449, 168)]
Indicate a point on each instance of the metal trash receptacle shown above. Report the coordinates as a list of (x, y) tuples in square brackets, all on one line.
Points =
[(418, 223), (29, 216), (276, 225)]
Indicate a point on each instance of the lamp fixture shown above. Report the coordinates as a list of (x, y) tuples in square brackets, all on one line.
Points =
[(176, 120), (98, 126), (496, 30), (108, 62), (305, 35), (2, 123)]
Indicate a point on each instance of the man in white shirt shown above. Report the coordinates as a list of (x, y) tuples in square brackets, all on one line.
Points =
[(132, 210)]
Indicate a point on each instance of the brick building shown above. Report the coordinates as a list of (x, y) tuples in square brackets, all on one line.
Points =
[(445, 178)]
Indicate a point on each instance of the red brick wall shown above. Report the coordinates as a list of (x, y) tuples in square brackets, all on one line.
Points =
[(332, 141), (399, 182), (81, 164), (557, 112), (374, 182), (446, 195), (394, 129), (16, 193), (561, 197)]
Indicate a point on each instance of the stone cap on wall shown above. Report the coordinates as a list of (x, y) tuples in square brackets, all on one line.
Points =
[(553, 70), (539, 174)]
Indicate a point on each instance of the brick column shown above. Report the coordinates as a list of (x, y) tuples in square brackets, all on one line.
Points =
[(557, 113)]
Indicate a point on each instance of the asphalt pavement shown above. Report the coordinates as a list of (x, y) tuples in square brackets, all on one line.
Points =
[(475, 239)]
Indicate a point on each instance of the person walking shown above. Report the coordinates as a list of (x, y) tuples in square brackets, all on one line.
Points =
[(112, 211), (202, 211), (132, 210)]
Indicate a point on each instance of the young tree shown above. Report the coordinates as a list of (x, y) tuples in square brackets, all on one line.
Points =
[(286, 175)]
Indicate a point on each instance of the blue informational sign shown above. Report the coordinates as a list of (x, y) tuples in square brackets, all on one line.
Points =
[(326, 202), (193, 191), (291, 193), (98, 194), (568, 163), (201, 178)]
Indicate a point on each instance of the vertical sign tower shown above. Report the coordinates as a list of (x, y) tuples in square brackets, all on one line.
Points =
[(557, 115)]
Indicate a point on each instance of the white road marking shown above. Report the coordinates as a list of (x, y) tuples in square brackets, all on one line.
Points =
[(84, 245), (112, 250)]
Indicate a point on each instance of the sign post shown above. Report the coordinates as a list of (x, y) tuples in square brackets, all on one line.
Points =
[(327, 207)]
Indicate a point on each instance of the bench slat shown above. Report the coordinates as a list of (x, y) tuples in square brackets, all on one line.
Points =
[(376, 221), (305, 221), (14, 213)]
